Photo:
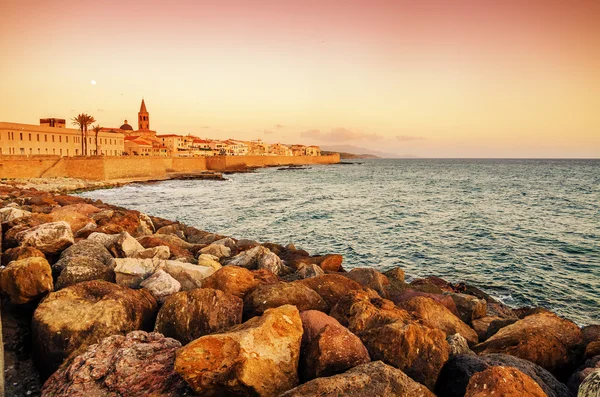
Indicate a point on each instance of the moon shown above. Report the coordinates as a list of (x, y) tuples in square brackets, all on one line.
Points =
[(93, 82)]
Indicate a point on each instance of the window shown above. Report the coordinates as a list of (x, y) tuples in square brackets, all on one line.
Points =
[(52, 138), (67, 152), (67, 139), (76, 152), (53, 150), (60, 138), (30, 151), (45, 138), (38, 137), (61, 152), (39, 151), (46, 150), (30, 137), (22, 151), (20, 136)]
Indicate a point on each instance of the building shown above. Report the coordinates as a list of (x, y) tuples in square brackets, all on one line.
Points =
[(298, 150), (312, 151), (236, 148), (30, 139), (281, 150)]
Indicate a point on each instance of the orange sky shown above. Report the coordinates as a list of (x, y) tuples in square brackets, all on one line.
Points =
[(428, 78)]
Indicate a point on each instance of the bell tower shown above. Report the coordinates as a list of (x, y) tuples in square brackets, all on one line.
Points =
[(143, 117)]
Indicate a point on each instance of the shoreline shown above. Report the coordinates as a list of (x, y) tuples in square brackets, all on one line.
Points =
[(144, 260)]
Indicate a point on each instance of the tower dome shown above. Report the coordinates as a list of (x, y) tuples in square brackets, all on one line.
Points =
[(126, 126)]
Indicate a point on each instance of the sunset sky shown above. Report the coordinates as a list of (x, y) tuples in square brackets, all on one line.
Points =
[(426, 78)]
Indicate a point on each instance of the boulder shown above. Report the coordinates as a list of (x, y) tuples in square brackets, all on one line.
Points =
[(419, 351), (130, 272), (591, 333), (160, 252), (49, 238), (18, 253), (269, 296), (328, 348), (176, 229), (26, 280), (502, 381), (174, 241), (459, 369), (308, 271), (435, 315), (248, 259), (592, 350), (273, 263), (226, 241), (366, 380), (8, 214), (395, 274), (458, 345), (331, 287), (83, 249), (590, 387), (177, 253), (469, 307), (132, 222), (259, 357), (107, 240), (553, 343), (370, 278), (125, 246), (210, 261), (431, 284), (119, 366), (187, 316), (407, 294), (84, 261), (75, 215), (218, 250), (590, 365), (161, 285), (330, 262), (189, 276), (234, 280), (83, 314)]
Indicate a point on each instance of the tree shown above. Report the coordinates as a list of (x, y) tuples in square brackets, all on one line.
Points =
[(83, 121), (97, 130)]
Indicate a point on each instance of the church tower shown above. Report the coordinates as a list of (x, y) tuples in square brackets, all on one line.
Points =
[(143, 117)]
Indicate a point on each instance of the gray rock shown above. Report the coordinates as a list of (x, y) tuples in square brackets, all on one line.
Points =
[(227, 241), (160, 252), (126, 246), (49, 238), (130, 272), (458, 345), (161, 285), (107, 240), (8, 214), (590, 387), (189, 276), (218, 250)]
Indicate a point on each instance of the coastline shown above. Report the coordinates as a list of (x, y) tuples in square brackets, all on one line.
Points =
[(373, 309)]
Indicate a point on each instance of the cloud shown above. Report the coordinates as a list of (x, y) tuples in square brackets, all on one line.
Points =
[(268, 132), (340, 134), (279, 126), (407, 138)]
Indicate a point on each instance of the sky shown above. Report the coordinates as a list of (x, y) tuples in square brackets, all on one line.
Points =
[(446, 78)]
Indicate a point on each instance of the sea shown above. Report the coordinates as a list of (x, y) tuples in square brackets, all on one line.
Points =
[(525, 231)]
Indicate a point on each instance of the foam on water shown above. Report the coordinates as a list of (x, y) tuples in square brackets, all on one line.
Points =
[(527, 231)]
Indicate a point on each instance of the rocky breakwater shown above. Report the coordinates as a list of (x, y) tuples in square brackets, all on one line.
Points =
[(103, 301)]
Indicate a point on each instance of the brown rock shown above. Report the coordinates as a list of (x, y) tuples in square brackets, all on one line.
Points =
[(76, 215), (396, 274), (119, 366), (503, 382), (419, 351), (18, 253), (328, 348), (551, 342), (121, 220), (591, 333), (435, 315), (83, 314), (366, 380), (50, 238), (234, 280), (331, 287), (259, 357), (408, 294), (187, 316), (432, 284), (370, 278), (331, 262), (26, 280), (592, 349), (269, 296), (488, 325), (469, 307), (177, 253)]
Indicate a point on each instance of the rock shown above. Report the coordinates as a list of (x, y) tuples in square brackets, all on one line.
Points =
[(84, 261), (76, 215), (189, 276), (176, 229), (161, 285), (553, 343), (130, 272), (331, 262), (105, 239), (396, 274), (271, 262), (226, 241), (259, 357), (85, 231), (174, 241), (328, 348), (432, 284), (160, 252), (125, 246), (592, 350), (457, 372), (331, 287), (26, 280), (419, 351), (187, 316), (370, 278), (502, 381), (49, 238), (87, 249), (210, 261), (590, 387), (245, 244), (458, 345), (308, 271), (366, 380), (83, 314), (269, 296), (177, 253), (218, 250), (132, 222), (591, 333), (8, 214), (435, 315), (408, 294), (248, 259), (469, 307), (18, 253), (590, 365), (118, 365), (234, 280), (360, 312)]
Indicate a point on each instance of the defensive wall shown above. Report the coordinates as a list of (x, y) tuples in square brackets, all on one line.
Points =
[(123, 167)]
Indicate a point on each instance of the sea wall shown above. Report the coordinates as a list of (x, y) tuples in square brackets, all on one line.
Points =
[(122, 167)]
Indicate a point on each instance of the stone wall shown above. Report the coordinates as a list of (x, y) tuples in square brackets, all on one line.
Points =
[(106, 168)]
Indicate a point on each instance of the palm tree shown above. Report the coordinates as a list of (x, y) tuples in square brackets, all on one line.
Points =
[(97, 130), (83, 121)]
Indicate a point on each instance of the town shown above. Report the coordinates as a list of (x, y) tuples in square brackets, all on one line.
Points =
[(53, 137)]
